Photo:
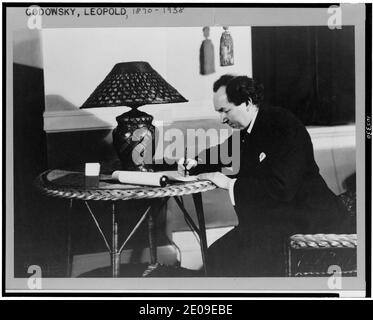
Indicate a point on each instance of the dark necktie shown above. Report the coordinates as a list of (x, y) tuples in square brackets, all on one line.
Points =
[(244, 135)]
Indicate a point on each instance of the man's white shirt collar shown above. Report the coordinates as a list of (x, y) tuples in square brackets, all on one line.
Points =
[(253, 111)]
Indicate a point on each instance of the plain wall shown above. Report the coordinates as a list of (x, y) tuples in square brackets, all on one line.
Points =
[(77, 60)]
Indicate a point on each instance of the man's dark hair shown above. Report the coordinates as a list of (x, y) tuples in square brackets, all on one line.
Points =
[(240, 89)]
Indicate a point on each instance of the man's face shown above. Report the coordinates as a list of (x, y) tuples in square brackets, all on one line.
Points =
[(235, 116)]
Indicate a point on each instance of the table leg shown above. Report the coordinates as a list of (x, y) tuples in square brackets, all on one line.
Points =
[(156, 206), (68, 244), (113, 249), (152, 238), (197, 198), (115, 254)]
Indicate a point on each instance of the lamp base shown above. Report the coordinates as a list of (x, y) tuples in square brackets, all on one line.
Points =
[(134, 140)]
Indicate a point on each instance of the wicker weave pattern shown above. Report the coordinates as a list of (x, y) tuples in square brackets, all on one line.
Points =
[(311, 255), (302, 241), (317, 261), (122, 194)]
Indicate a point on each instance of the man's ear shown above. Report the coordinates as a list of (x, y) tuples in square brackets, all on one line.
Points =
[(249, 103)]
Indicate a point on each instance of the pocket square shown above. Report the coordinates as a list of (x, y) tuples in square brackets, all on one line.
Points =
[(262, 156)]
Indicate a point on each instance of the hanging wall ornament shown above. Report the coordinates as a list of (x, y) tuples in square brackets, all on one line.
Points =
[(206, 54), (226, 48)]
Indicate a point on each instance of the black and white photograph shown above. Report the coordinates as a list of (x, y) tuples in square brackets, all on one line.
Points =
[(200, 149)]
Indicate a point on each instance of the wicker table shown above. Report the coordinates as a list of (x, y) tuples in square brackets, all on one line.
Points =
[(70, 185)]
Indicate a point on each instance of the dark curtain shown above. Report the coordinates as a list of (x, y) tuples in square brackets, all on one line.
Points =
[(30, 159), (308, 70)]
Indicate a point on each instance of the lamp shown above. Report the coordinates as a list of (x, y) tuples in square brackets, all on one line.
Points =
[(133, 84)]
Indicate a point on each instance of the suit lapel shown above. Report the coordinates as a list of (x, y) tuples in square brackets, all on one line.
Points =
[(254, 144)]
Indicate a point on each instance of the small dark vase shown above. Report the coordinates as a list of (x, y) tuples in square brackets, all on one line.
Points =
[(134, 140)]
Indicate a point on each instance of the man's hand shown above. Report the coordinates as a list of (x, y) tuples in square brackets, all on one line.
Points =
[(221, 180), (185, 165)]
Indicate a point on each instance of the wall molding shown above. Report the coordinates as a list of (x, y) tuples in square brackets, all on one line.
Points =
[(164, 115), (104, 118)]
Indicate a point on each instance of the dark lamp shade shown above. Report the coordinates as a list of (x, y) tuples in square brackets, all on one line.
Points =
[(133, 84)]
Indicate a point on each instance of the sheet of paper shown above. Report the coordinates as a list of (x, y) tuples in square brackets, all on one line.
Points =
[(176, 176)]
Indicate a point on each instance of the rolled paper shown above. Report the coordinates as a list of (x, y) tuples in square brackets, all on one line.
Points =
[(141, 178)]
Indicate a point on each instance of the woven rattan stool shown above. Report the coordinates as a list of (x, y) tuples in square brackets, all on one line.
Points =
[(316, 254), (319, 254)]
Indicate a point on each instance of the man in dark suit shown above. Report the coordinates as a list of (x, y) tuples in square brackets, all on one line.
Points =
[(278, 190)]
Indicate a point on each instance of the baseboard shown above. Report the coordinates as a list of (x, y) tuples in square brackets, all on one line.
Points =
[(87, 262)]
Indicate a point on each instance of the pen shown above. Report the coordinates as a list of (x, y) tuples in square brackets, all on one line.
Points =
[(185, 163)]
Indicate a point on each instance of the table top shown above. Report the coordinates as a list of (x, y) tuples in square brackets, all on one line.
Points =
[(70, 184)]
